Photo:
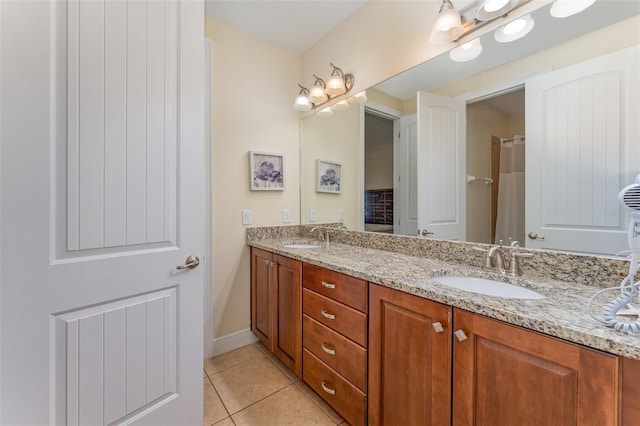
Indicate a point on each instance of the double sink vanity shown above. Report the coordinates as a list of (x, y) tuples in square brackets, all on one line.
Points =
[(401, 330)]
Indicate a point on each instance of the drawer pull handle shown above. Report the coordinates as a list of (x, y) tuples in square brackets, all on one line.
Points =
[(460, 335), (328, 315), (328, 285), (326, 389), (328, 350)]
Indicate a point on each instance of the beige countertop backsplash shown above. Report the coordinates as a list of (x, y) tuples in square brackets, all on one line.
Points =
[(409, 264)]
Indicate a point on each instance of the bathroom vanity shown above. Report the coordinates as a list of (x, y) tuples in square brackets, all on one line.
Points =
[(383, 343)]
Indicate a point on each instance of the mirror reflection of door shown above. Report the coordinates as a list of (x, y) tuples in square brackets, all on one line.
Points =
[(378, 172), (495, 151)]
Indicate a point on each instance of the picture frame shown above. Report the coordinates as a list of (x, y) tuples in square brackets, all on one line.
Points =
[(329, 176), (266, 171)]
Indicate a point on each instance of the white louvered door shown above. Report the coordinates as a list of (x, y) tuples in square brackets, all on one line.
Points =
[(102, 196), (442, 167), (582, 147)]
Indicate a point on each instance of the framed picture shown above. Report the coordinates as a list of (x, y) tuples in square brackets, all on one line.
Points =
[(267, 171), (329, 176)]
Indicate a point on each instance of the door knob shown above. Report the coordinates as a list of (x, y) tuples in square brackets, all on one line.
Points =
[(425, 233), (535, 236), (191, 262)]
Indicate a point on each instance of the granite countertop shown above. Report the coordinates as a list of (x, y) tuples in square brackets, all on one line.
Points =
[(562, 313)]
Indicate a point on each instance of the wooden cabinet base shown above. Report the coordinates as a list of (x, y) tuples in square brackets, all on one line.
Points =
[(349, 401)]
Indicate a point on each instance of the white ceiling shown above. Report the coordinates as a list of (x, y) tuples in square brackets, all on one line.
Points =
[(295, 25)]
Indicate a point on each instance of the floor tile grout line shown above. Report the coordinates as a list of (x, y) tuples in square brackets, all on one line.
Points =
[(236, 365), (261, 399), (219, 397)]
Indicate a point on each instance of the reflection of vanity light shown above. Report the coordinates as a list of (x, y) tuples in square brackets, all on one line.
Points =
[(326, 112), (342, 105), (564, 8), (491, 9), (359, 98), (467, 51), (515, 29)]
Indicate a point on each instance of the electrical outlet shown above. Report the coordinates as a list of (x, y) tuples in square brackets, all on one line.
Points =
[(340, 214), (286, 216), (313, 215), (247, 217)]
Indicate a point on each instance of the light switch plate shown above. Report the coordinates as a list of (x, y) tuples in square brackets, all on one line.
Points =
[(247, 217), (313, 216), (286, 215), (340, 214)]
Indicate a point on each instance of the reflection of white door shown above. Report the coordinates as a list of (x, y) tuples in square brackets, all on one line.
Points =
[(102, 196), (582, 148), (442, 160), (406, 179)]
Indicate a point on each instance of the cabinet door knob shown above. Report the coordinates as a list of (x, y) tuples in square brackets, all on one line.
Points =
[(328, 285), (437, 326), (460, 335), (328, 315), (326, 389), (328, 350)]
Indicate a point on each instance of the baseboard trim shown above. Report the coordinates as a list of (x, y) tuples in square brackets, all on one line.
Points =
[(233, 341)]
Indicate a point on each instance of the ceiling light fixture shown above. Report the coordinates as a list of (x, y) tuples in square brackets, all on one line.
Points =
[(448, 25), (467, 51), (565, 8), (338, 84), (515, 29)]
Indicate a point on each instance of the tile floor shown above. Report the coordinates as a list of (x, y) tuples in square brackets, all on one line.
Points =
[(250, 386)]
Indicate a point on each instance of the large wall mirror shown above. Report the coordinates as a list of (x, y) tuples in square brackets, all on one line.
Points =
[(529, 142)]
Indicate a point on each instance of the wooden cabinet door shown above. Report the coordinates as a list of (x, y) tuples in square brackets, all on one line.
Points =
[(505, 375), (261, 309), (287, 294), (409, 362)]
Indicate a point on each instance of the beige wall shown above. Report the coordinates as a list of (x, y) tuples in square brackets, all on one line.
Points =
[(253, 87), (379, 166)]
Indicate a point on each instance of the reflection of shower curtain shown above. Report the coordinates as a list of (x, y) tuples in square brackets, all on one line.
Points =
[(510, 211)]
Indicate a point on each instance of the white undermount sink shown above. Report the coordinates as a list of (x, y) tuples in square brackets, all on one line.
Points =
[(488, 287), (301, 245)]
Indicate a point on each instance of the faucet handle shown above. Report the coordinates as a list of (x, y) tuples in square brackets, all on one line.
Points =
[(514, 265)]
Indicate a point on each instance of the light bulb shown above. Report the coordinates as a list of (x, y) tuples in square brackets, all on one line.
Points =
[(317, 94), (448, 25), (565, 8), (515, 29), (336, 84), (467, 51)]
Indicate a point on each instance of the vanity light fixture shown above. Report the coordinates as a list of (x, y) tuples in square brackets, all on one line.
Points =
[(491, 9), (515, 29), (448, 25), (317, 94), (564, 8), (467, 51), (338, 84), (302, 100), (359, 98)]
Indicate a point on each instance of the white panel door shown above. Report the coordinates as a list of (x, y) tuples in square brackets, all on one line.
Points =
[(582, 148), (442, 168), (406, 179), (101, 198)]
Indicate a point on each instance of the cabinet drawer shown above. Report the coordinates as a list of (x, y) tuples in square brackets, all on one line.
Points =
[(343, 288), (338, 352), (341, 318), (349, 401)]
